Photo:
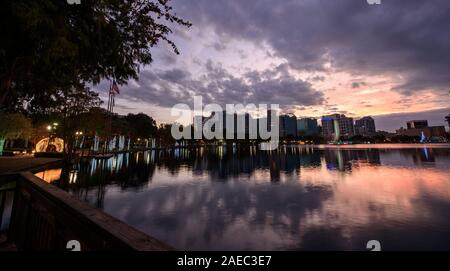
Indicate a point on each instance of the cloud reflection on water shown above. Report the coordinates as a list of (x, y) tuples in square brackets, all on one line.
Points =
[(298, 199)]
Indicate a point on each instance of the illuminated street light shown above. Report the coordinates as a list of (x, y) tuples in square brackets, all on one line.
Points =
[(49, 128)]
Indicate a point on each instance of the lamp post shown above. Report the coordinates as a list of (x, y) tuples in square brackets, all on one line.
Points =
[(77, 135), (51, 128)]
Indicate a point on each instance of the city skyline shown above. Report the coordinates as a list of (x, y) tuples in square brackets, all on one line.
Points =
[(398, 120), (330, 127), (231, 58)]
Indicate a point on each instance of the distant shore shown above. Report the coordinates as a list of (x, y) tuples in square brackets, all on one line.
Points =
[(384, 146)]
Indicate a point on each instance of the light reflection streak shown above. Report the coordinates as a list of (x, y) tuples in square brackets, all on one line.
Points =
[(50, 175)]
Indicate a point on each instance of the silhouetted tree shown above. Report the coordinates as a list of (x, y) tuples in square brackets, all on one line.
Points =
[(405, 139), (165, 134), (141, 125), (360, 139), (13, 126), (379, 138), (65, 107)]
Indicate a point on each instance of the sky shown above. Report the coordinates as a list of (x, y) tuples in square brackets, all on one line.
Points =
[(312, 57)]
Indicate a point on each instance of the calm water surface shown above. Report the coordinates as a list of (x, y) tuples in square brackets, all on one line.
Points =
[(297, 198)]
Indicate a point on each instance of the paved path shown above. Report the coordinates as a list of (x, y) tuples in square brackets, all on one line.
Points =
[(22, 163)]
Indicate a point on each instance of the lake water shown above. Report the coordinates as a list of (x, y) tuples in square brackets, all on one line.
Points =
[(298, 198)]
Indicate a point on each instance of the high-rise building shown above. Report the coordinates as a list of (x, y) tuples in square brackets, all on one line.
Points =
[(365, 126), (346, 126), (288, 125), (307, 127), (336, 125), (417, 124), (328, 126), (448, 120), (238, 132)]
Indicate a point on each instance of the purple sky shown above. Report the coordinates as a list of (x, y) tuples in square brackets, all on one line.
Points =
[(312, 57)]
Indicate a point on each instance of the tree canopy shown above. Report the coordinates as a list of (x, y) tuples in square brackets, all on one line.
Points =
[(48, 45), (14, 125), (141, 125)]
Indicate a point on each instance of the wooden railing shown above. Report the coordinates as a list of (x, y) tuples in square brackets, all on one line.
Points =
[(45, 217), (6, 195)]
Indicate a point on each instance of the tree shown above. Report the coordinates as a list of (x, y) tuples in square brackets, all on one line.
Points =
[(165, 134), (405, 139), (13, 126), (49, 45), (66, 107), (379, 138), (64, 103), (94, 122), (141, 125), (360, 139)]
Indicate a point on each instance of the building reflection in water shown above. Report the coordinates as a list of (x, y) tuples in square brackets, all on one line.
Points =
[(344, 159), (292, 198), (424, 155)]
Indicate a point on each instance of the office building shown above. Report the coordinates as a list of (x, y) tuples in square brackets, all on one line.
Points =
[(365, 126), (336, 125), (307, 127), (420, 127), (288, 125), (328, 127), (416, 124)]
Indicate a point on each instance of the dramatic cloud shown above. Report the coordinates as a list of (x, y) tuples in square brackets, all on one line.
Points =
[(405, 37), (313, 57), (169, 87)]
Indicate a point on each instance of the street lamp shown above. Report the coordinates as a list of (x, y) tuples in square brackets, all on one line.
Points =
[(52, 126), (77, 135)]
